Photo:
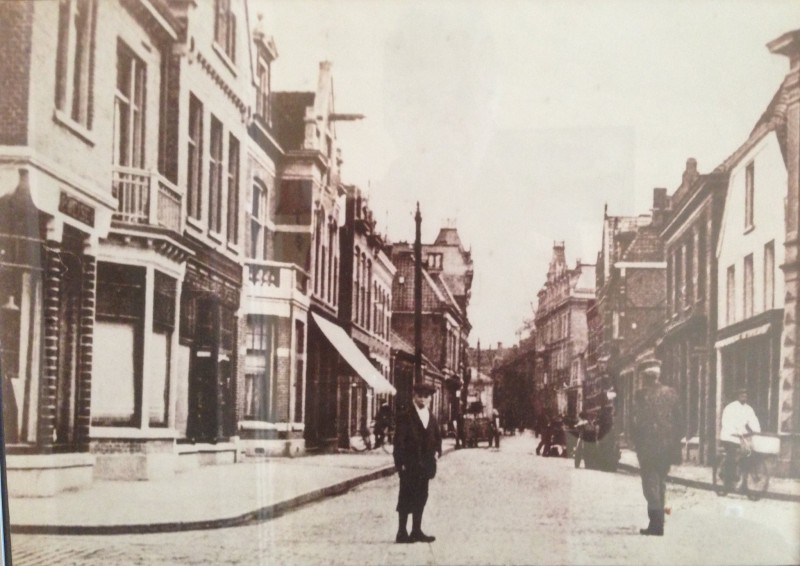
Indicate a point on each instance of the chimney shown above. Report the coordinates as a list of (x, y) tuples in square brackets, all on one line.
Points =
[(690, 174), (660, 206), (499, 345)]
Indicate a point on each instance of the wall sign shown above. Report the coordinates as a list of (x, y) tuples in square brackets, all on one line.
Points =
[(76, 209)]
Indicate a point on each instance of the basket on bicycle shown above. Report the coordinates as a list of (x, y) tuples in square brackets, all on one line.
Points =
[(762, 443)]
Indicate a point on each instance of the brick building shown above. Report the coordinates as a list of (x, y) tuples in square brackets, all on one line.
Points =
[(686, 347), (365, 310), (629, 311), (446, 286), (562, 335), (787, 121)]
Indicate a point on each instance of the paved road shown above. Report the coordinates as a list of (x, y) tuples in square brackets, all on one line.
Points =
[(486, 507)]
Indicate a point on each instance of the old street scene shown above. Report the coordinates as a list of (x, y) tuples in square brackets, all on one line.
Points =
[(334, 282)]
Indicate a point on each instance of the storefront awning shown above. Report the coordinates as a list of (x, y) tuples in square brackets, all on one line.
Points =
[(353, 356)]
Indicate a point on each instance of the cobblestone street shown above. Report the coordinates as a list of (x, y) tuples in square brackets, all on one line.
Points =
[(486, 507)]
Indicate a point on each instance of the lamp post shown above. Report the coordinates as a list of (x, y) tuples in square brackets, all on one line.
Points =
[(418, 298)]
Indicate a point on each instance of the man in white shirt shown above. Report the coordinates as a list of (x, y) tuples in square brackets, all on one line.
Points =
[(738, 421)]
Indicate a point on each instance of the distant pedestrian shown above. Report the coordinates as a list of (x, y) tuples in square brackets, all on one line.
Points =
[(544, 436), (383, 422), (417, 446), (657, 437), (495, 429)]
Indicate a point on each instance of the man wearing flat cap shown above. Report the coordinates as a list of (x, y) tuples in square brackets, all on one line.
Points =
[(417, 445), (657, 438)]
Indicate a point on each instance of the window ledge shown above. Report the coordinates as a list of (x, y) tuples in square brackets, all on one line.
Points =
[(220, 51), (216, 236), (110, 432), (79, 130), (194, 223), (233, 247), (750, 228)]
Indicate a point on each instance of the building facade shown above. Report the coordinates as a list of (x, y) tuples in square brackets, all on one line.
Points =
[(686, 348), (787, 121), (750, 296), (365, 311), (562, 335)]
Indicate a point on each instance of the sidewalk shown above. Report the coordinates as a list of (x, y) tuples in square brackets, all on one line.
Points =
[(206, 498), (700, 477)]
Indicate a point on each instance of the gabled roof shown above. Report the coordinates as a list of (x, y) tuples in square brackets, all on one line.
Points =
[(646, 246), (773, 119)]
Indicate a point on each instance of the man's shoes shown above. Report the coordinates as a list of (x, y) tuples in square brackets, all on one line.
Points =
[(652, 532), (419, 536), (402, 538)]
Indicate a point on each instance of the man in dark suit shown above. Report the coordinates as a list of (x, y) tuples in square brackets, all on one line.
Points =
[(657, 437), (417, 446)]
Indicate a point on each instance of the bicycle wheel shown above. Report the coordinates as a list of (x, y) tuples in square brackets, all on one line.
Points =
[(388, 443), (757, 478)]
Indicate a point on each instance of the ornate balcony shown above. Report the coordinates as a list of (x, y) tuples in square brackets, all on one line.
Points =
[(145, 197), (268, 280)]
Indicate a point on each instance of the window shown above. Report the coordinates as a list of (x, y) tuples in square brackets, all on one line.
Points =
[(263, 90), (225, 28), (748, 286), (195, 173), (749, 195), (261, 360), (117, 368), (769, 275), (75, 65), (730, 307), (233, 190), (300, 348), (215, 177), (129, 109), (258, 232), (434, 261), (164, 293)]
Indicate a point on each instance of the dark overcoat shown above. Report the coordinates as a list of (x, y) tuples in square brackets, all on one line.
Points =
[(415, 447), (657, 425)]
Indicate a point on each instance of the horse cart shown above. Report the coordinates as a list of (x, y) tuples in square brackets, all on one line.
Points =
[(478, 429)]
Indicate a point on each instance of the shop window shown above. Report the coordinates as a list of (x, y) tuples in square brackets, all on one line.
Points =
[(164, 292), (260, 343), (116, 371), (300, 349)]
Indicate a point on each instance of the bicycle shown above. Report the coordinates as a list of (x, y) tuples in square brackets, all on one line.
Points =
[(752, 469), (367, 440)]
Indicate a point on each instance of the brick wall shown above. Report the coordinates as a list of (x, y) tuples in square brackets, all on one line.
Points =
[(15, 57)]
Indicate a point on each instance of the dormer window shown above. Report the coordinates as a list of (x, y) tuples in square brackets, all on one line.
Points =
[(263, 90), (434, 261), (225, 28)]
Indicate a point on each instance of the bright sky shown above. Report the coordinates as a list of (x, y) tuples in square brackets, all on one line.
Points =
[(520, 119)]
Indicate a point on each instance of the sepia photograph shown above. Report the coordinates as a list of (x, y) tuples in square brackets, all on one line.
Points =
[(400, 282)]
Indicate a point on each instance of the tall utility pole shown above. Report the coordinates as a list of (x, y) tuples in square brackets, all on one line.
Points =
[(418, 299)]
